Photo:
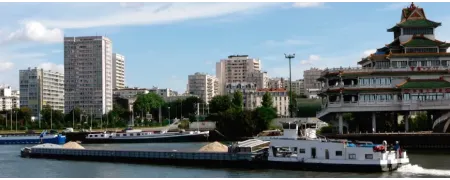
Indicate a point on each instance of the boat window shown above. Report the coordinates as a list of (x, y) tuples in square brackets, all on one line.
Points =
[(369, 156), (313, 153), (283, 152), (131, 134), (102, 135), (117, 135), (95, 135), (124, 134), (90, 136), (338, 153), (138, 134), (327, 154), (301, 151), (352, 156), (294, 149)]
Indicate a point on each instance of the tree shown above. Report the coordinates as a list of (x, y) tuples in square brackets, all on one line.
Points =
[(50, 115), (264, 116), (73, 115), (220, 103), (238, 100), (293, 105), (25, 114), (190, 106), (147, 102), (267, 100)]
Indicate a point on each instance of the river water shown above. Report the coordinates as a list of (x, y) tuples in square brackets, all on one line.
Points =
[(423, 164)]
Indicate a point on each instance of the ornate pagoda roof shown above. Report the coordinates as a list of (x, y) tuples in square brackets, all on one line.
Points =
[(414, 16), (422, 41), (424, 83)]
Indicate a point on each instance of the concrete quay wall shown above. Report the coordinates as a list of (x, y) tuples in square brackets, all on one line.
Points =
[(426, 140)]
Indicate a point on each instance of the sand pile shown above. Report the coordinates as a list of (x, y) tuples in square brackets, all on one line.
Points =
[(214, 147), (72, 145), (47, 145)]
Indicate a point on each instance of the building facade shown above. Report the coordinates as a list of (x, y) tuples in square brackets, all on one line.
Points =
[(409, 74), (39, 87), (297, 86), (88, 74), (9, 99), (310, 77), (276, 83), (203, 85), (118, 71), (260, 78), (280, 98), (235, 69), (129, 92)]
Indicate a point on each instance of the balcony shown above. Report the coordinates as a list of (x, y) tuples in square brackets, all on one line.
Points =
[(392, 105), (390, 69)]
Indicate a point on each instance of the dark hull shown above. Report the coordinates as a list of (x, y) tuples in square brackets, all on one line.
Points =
[(167, 139), (238, 164), (34, 140)]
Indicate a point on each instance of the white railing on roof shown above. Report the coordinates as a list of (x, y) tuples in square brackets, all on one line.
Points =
[(379, 69)]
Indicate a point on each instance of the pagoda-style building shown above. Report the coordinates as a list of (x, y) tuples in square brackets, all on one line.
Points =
[(410, 74)]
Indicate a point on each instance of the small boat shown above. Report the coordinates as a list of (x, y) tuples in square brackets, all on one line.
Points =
[(311, 152), (130, 135), (33, 138)]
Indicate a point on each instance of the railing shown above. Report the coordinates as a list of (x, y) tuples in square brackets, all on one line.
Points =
[(412, 104), (389, 69)]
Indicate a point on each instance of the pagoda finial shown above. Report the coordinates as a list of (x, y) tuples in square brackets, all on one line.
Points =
[(412, 6)]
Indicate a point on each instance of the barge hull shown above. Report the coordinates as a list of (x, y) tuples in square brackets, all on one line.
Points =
[(165, 139)]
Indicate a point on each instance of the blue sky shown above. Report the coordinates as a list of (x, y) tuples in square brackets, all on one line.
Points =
[(165, 42)]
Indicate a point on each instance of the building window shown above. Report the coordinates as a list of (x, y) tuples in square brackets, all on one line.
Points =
[(301, 151), (338, 153), (352, 156), (369, 156)]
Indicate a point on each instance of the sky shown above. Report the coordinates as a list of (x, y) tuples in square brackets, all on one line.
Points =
[(165, 42)]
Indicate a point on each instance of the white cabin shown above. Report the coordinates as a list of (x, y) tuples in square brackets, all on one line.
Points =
[(315, 150)]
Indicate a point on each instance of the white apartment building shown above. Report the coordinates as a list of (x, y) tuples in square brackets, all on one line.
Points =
[(203, 85), (259, 77), (280, 97), (244, 87), (275, 83), (9, 99), (118, 71), (39, 87), (129, 92), (235, 69), (88, 74), (164, 92), (297, 86)]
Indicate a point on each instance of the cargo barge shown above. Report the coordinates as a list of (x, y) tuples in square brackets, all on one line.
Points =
[(288, 151), (32, 138)]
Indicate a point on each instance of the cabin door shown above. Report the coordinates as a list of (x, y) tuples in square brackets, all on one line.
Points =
[(313, 152), (327, 154)]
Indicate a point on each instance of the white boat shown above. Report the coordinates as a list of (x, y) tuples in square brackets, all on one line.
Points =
[(310, 152), (138, 136)]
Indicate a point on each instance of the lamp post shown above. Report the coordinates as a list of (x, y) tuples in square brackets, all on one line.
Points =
[(51, 118), (16, 119), (290, 56), (101, 118), (169, 114)]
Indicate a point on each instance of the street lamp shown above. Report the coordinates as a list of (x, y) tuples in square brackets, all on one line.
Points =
[(16, 119), (169, 114), (51, 118), (290, 56)]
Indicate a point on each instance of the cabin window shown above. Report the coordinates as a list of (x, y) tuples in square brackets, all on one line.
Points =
[(338, 153), (90, 136), (327, 154), (283, 152), (102, 135), (369, 156), (352, 156), (138, 134), (95, 136), (294, 149), (313, 153), (301, 151), (131, 134), (124, 134), (117, 135)]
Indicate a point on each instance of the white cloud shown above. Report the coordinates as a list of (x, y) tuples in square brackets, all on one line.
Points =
[(153, 14), (311, 60), (55, 51), (35, 31), (52, 67), (5, 65), (307, 4), (369, 52)]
